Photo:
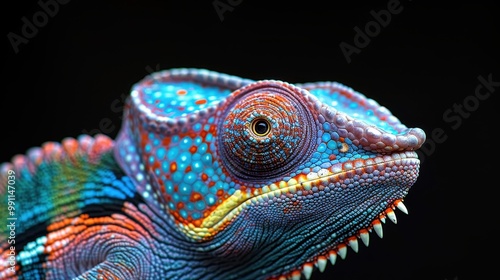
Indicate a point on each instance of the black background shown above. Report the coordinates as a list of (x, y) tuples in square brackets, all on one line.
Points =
[(69, 79)]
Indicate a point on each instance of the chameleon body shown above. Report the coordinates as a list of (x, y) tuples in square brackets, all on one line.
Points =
[(211, 176)]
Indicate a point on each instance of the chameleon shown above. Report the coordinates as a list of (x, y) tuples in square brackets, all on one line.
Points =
[(211, 176)]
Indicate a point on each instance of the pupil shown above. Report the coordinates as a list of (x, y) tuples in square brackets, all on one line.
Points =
[(261, 127)]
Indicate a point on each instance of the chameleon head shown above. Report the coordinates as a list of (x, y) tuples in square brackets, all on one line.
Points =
[(266, 170)]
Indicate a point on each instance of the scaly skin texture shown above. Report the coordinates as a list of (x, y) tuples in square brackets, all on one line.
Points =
[(212, 176)]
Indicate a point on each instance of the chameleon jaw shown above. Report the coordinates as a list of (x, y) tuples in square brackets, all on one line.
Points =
[(340, 250), (314, 181)]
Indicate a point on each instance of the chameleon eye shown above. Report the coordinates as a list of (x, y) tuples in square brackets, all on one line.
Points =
[(261, 127), (267, 131)]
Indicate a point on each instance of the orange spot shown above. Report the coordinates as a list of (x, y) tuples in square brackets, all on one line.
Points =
[(193, 149), (144, 140), (195, 197), (200, 101), (180, 205), (166, 141), (341, 139), (220, 192), (188, 169), (176, 214), (173, 167), (156, 165), (180, 108), (332, 157), (204, 176), (211, 184), (197, 223), (181, 92)]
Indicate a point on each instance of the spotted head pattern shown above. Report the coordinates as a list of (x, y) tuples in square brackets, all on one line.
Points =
[(168, 142)]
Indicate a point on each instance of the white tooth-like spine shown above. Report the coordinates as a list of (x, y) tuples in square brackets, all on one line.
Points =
[(295, 276), (342, 251), (321, 263), (392, 216), (402, 207), (332, 257), (365, 237), (353, 243), (378, 229), (307, 270)]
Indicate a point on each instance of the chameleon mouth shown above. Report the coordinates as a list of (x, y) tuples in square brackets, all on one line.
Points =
[(384, 167)]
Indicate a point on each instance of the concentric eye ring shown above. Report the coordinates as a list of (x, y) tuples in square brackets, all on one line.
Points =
[(266, 131)]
